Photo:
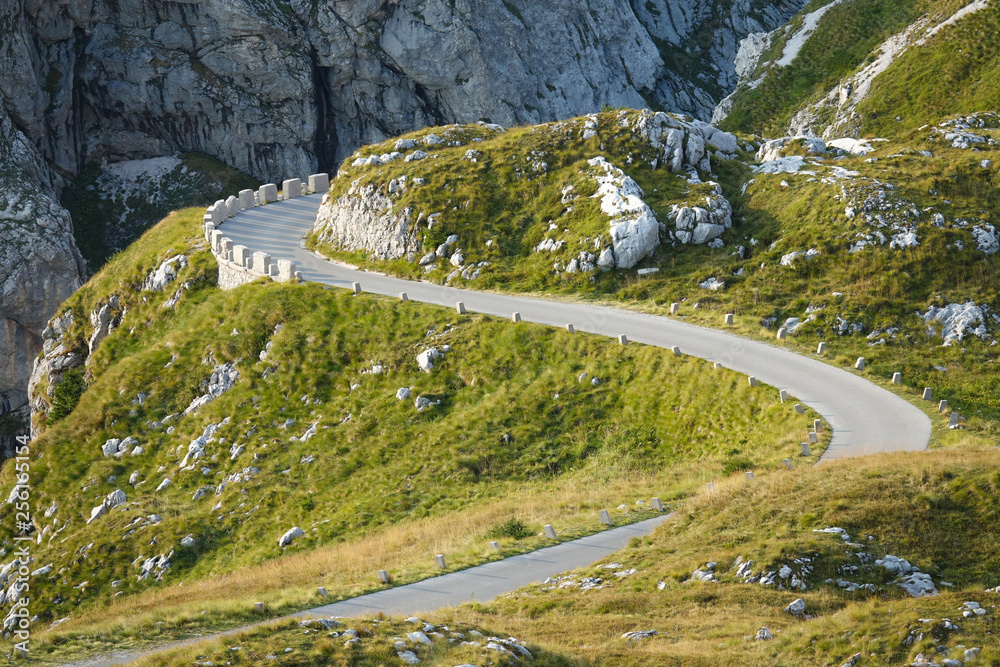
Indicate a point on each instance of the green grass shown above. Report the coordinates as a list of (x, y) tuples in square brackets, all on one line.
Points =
[(500, 210), (515, 429)]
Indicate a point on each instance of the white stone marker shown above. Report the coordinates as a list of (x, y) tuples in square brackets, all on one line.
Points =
[(241, 255), (813, 438), (860, 364), (622, 339), (605, 517), (928, 394), (267, 193), (783, 395), (782, 332), (460, 308), (729, 319), (383, 576), (821, 348), (717, 366), (709, 487), (403, 296), (262, 263), (788, 463), (291, 188), (321, 591), (440, 562), (657, 504), (676, 350), (953, 422), (943, 405), (897, 378), (286, 270), (749, 475), (752, 380), (216, 241), (570, 328), (674, 308), (515, 318), (805, 449), (817, 425), (799, 409), (494, 546), (319, 183), (233, 205), (356, 287), (258, 606), (550, 532), (246, 199)]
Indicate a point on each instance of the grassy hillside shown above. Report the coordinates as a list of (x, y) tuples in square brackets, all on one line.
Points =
[(868, 303), (524, 421), (937, 511)]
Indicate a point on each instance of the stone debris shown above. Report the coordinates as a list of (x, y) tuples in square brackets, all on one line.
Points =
[(712, 283), (639, 635), (792, 257), (427, 358), (634, 228), (289, 536), (113, 499), (797, 608), (958, 320), (763, 635), (223, 377), (164, 274)]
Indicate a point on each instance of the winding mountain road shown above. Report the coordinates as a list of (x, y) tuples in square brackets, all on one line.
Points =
[(865, 418)]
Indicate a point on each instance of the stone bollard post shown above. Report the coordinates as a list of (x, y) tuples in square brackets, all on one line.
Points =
[(209, 228), (356, 287), (752, 380), (817, 425), (605, 517), (928, 394), (232, 206), (675, 308), (570, 328), (821, 348), (460, 308), (805, 449), (321, 591), (267, 193), (676, 350), (403, 296), (860, 364), (782, 395), (782, 332), (286, 270), (622, 339), (440, 562), (258, 606), (709, 487), (799, 409), (246, 199), (241, 255), (788, 463), (550, 532), (943, 405), (226, 247), (383, 576), (813, 438), (291, 188), (749, 475), (953, 422), (262, 263), (717, 366), (319, 183), (515, 318), (729, 319), (216, 241), (897, 378), (657, 504), (494, 546)]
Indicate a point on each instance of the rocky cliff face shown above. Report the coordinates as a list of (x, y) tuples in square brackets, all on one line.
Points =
[(277, 89), (40, 263)]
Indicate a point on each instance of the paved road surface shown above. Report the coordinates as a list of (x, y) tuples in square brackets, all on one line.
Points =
[(865, 418), (480, 584)]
